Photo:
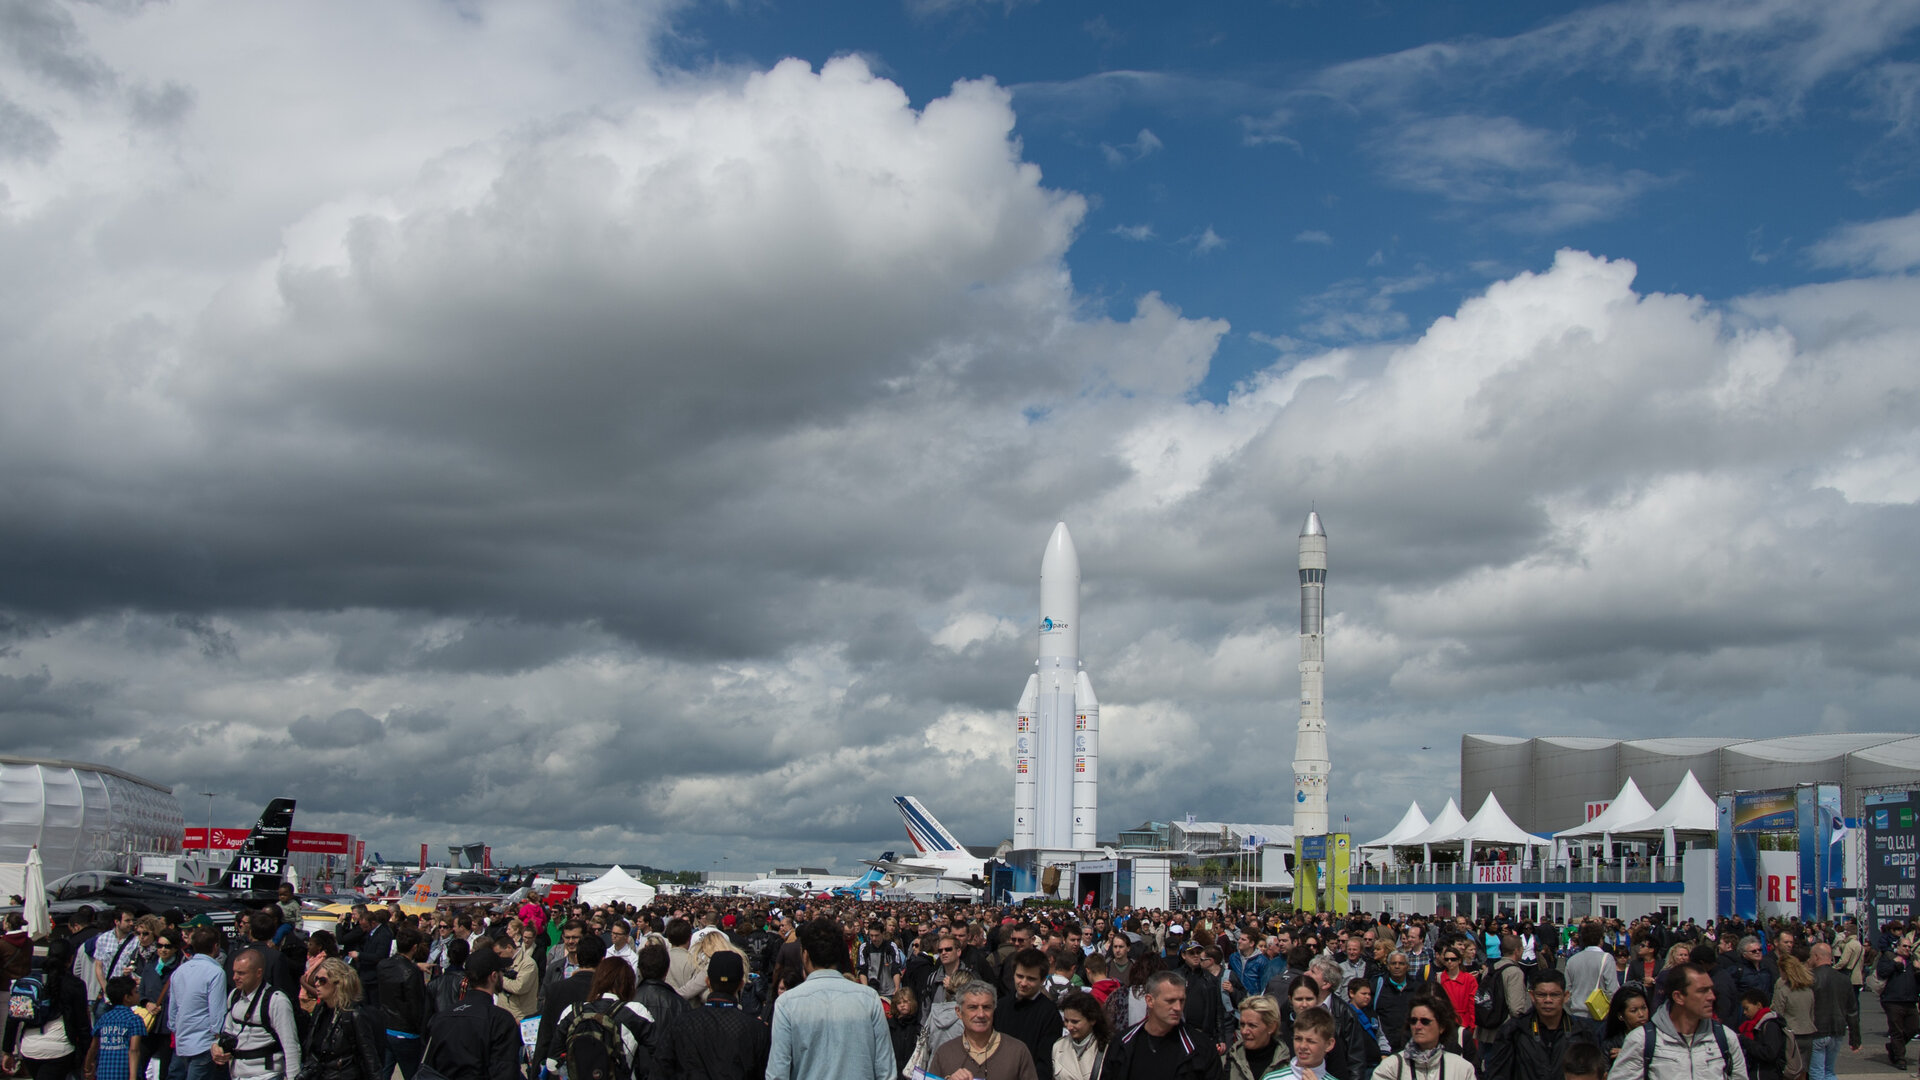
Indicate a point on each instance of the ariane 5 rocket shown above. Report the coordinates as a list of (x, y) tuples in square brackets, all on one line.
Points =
[(1056, 748)]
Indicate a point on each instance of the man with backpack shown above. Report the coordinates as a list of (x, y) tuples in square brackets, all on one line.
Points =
[(258, 1039), (1532, 1044), (572, 990), (1683, 1040)]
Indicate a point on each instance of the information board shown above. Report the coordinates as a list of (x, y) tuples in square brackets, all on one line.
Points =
[(1893, 849)]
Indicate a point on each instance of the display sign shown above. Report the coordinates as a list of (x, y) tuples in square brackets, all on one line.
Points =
[(1893, 842), (1496, 874), (1313, 847), (1763, 811)]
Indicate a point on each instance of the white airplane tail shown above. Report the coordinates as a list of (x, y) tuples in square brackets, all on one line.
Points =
[(929, 837)]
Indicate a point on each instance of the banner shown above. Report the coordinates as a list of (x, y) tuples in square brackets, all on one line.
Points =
[(298, 843), (1763, 811), (1496, 874)]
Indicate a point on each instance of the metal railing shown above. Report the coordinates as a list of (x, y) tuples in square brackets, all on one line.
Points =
[(1440, 875)]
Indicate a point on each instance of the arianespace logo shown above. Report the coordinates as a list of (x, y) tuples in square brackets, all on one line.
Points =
[(1047, 626)]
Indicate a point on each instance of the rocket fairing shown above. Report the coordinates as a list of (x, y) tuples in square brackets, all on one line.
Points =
[(1056, 752), (1312, 762)]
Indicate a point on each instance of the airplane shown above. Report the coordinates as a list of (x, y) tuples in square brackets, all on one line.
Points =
[(869, 882), (937, 855), (798, 886), (257, 869)]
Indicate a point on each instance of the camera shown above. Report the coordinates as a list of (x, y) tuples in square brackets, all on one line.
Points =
[(227, 1041)]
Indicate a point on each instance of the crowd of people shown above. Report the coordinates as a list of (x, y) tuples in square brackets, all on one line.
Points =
[(843, 989)]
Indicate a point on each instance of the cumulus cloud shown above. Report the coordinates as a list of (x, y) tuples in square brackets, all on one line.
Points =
[(621, 466)]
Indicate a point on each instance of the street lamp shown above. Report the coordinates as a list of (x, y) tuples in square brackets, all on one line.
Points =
[(209, 796)]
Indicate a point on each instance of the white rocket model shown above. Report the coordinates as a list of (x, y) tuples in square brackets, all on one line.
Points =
[(1312, 767), (1056, 749)]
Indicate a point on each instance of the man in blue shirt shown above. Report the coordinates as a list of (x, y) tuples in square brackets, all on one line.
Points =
[(197, 1007), (829, 1027)]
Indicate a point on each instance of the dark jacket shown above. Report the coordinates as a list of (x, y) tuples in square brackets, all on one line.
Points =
[(1349, 1060), (70, 995), (1036, 1022), (664, 1005), (343, 1045), (443, 993), (1902, 987), (715, 1041), (403, 995), (1520, 1050), (904, 1031), (1204, 1010), (1836, 1009), (1392, 1004), (474, 1040), (1766, 1049), (571, 990), (1202, 1062)]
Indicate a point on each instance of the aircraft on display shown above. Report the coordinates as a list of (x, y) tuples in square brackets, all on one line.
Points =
[(938, 856), (257, 869), (799, 885)]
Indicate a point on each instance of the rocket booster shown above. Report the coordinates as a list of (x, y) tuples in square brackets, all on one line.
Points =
[(1057, 723)]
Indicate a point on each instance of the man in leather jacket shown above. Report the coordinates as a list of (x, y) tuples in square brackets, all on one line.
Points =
[(476, 1039)]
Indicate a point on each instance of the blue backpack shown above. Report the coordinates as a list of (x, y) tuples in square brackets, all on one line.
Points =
[(28, 1001)]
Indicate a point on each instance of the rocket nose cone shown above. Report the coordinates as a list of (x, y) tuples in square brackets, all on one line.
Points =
[(1313, 527), (1060, 556)]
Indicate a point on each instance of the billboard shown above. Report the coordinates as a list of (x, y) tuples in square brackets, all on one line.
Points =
[(1763, 811), (298, 843), (1892, 836)]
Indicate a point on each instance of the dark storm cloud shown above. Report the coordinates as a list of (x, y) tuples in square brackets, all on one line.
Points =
[(24, 135)]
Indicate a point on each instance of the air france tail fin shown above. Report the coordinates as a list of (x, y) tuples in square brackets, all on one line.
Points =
[(262, 861), (928, 835)]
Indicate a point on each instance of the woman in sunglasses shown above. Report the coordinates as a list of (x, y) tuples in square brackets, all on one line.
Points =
[(343, 1043), (154, 972), (1460, 986), (1433, 1049)]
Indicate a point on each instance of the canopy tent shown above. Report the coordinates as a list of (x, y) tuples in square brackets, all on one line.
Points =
[(1443, 826), (1627, 807), (1411, 824), (616, 885), (1688, 810), (1491, 825)]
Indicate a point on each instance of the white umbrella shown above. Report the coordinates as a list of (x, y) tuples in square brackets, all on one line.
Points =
[(39, 923)]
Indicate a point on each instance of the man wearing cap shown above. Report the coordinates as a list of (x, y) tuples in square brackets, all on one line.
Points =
[(476, 1039), (718, 1040), (1206, 1010)]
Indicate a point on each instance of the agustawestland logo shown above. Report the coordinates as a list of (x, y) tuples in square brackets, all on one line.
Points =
[(1048, 625)]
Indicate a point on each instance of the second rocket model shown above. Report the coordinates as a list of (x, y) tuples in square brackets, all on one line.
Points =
[(1056, 748), (1312, 764)]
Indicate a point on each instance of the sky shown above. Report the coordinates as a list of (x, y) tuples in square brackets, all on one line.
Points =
[(629, 431)]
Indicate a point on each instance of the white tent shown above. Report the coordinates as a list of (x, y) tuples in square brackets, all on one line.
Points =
[(1442, 828), (616, 885), (1688, 810), (1627, 807), (1491, 825), (1411, 824)]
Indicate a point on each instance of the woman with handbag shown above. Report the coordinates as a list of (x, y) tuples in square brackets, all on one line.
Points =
[(344, 1043), (1433, 1045)]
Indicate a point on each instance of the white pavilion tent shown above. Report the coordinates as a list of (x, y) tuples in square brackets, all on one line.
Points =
[(616, 885), (1689, 810), (1411, 824), (1441, 829), (1626, 808), (1491, 825)]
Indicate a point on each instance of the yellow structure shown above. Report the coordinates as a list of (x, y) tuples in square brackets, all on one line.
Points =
[(1321, 860)]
